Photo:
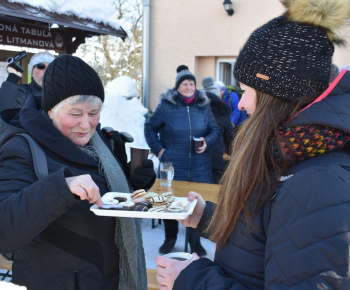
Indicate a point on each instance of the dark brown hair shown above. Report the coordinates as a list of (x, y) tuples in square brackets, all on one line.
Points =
[(252, 161)]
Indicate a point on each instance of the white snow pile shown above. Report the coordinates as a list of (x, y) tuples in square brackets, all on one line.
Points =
[(122, 110), (100, 12)]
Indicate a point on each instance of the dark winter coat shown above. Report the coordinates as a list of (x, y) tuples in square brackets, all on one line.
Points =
[(13, 95), (177, 123), (58, 242), (221, 114), (307, 242)]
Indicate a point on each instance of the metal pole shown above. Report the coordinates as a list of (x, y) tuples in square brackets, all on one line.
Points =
[(146, 53)]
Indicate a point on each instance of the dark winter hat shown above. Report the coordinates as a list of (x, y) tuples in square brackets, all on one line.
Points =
[(68, 76), (183, 73), (290, 57)]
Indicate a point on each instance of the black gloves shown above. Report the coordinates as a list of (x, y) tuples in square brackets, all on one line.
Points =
[(143, 176)]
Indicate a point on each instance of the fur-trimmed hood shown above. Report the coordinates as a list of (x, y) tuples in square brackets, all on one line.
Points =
[(172, 96)]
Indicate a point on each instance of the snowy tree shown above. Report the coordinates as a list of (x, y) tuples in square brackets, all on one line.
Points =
[(109, 55)]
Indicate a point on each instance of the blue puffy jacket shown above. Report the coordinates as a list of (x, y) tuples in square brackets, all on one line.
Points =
[(177, 123)]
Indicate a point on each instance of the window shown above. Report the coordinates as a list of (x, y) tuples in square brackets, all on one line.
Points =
[(224, 71)]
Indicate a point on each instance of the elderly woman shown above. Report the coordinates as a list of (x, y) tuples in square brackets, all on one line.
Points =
[(58, 242), (183, 113), (282, 220)]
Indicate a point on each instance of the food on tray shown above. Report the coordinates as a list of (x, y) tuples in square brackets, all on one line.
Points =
[(120, 199), (140, 200), (112, 201), (142, 206), (169, 196), (157, 209), (175, 209), (138, 193), (149, 195), (127, 204)]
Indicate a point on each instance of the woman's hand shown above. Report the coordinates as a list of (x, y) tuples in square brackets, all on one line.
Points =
[(160, 153), (84, 187), (193, 220), (169, 269), (203, 147)]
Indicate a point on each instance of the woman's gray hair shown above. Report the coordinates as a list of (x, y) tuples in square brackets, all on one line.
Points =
[(78, 99)]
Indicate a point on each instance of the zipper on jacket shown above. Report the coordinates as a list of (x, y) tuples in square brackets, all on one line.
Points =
[(76, 280), (189, 153)]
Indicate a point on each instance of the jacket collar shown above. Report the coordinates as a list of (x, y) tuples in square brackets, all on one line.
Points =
[(171, 95)]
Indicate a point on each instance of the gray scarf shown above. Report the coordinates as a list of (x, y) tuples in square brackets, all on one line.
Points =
[(128, 235)]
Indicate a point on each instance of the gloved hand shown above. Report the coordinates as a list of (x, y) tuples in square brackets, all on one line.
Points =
[(15, 68), (143, 176)]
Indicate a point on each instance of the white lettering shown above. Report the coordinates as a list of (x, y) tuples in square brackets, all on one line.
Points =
[(0, 38), (14, 29)]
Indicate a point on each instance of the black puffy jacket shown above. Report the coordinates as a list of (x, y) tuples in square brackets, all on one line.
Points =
[(306, 244), (58, 242), (177, 123), (13, 95)]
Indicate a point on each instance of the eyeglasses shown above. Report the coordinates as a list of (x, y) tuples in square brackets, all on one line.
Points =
[(40, 66)]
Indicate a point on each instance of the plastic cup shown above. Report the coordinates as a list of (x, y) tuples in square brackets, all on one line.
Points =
[(166, 173)]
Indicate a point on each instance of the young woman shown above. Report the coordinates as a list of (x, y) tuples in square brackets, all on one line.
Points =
[(282, 220)]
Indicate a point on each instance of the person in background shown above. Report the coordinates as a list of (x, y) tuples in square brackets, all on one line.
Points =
[(221, 114), (282, 220), (183, 113), (13, 95), (58, 242), (334, 73), (231, 99)]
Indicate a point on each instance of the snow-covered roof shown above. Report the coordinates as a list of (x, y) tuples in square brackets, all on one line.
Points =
[(89, 15)]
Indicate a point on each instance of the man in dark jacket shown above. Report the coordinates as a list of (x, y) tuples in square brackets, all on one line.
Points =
[(13, 95)]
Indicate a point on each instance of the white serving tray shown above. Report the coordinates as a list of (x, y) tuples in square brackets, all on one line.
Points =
[(140, 214)]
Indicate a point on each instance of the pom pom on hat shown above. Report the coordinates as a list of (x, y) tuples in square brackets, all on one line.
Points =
[(183, 73)]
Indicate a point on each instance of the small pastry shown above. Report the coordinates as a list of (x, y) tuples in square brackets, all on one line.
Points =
[(157, 209), (142, 206), (127, 204), (158, 200), (149, 195), (120, 199), (182, 203), (111, 201), (169, 196), (138, 193)]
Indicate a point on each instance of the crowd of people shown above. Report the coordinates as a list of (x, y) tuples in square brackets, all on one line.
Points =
[(282, 218)]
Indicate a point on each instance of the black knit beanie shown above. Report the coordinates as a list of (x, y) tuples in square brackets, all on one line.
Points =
[(183, 73), (290, 56), (69, 76)]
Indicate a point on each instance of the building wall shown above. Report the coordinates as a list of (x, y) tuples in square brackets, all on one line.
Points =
[(198, 32)]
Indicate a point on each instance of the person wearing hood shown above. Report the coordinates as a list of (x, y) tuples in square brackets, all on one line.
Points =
[(221, 114), (58, 242), (282, 219), (182, 114), (13, 95)]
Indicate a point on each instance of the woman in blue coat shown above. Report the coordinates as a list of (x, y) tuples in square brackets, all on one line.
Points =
[(282, 220), (183, 113)]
